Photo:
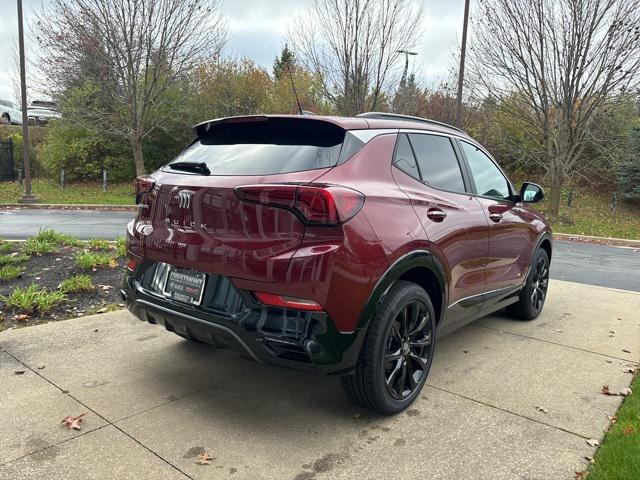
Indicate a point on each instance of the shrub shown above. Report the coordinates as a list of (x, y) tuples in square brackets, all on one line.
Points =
[(5, 247), (48, 241), (90, 260), (30, 299), (12, 259), (121, 246), (9, 272), (98, 244), (77, 283), (35, 246)]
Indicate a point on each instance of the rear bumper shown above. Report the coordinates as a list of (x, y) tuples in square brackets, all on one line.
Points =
[(289, 338)]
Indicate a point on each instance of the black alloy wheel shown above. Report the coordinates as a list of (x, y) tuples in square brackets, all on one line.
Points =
[(408, 350), (397, 353), (540, 284)]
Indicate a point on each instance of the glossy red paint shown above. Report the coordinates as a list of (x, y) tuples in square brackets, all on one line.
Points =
[(264, 248)]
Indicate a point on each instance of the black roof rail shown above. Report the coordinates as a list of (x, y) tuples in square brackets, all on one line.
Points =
[(396, 116)]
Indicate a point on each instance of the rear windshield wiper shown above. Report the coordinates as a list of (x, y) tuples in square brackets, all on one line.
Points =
[(200, 168)]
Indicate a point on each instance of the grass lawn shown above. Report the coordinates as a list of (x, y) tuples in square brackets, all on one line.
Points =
[(49, 191), (619, 456), (590, 215)]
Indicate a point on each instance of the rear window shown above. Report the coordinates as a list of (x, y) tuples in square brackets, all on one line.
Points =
[(269, 147)]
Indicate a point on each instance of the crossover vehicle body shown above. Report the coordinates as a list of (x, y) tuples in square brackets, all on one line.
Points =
[(348, 246), (10, 113)]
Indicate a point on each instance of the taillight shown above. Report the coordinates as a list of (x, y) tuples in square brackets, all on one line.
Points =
[(315, 204), (143, 185), (287, 302)]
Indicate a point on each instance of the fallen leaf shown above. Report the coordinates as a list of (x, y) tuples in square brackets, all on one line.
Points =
[(589, 459), (628, 430), (72, 422), (102, 310), (203, 459), (607, 391), (625, 391), (18, 372), (609, 361), (631, 370), (592, 442), (557, 330), (21, 318), (626, 350), (40, 367), (581, 475), (612, 418), (106, 288), (542, 409), (612, 331)]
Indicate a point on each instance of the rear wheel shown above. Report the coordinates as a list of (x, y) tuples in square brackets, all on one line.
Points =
[(397, 354), (534, 293)]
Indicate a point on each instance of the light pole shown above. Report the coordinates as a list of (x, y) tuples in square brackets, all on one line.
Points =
[(27, 196), (406, 64), (463, 54)]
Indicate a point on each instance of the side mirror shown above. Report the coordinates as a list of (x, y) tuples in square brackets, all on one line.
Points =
[(531, 192)]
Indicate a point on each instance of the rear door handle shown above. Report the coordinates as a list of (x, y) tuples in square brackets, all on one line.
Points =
[(436, 214), (496, 217)]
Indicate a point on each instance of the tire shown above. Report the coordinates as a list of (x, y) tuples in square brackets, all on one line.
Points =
[(534, 293), (5, 119), (396, 356)]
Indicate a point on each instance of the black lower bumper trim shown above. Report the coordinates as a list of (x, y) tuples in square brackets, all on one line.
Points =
[(203, 323)]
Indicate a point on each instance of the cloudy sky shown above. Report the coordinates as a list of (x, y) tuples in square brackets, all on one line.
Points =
[(258, 29)]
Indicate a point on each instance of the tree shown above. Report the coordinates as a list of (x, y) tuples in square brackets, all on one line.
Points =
[(409, 98), (561, 64), (125, 55), (286, 58), (351, 46)]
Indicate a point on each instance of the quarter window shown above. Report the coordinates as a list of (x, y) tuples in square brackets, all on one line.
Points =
[(489, 180), (404, 158), (437, 162)]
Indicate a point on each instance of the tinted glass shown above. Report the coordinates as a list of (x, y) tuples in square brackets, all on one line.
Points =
[(404, 158), (488, 178), (437, 162), (267, 147)]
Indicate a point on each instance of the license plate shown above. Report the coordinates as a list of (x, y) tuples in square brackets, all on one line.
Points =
[(185, 285)]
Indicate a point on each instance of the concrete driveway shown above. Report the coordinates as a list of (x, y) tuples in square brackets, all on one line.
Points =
[(155, 401)]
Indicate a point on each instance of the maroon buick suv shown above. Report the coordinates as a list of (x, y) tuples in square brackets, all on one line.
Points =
[(348, 246)]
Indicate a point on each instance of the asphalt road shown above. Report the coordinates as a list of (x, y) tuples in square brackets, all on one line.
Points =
[(575, 262), (84, 224)]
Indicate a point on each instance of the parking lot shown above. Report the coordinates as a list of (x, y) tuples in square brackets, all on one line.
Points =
[(505, 399)]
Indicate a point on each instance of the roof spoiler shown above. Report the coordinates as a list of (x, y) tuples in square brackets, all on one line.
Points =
[(409, 118), (202, 128)]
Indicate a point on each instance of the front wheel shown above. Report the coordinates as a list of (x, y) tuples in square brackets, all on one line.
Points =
[(397, 353), (534, 292)]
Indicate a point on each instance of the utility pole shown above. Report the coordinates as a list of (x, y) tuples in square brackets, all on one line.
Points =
[(463, 54), (403, 80), (27, 196)]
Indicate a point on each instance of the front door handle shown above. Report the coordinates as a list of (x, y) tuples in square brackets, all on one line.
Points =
[(436, 214), (496, 217)]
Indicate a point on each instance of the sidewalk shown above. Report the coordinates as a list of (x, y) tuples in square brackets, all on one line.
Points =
[(155, 401)]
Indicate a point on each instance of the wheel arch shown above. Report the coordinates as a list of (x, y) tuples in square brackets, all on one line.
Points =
[(419, 267)]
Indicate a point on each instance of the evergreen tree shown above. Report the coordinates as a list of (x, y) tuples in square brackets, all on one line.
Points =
[(286, 57), (629, 173)]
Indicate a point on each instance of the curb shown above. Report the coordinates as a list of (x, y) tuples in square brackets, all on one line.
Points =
[(68, 206), (625, 242)]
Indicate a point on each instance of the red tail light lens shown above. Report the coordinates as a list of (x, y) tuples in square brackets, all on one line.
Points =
[(287, 302), (143, 185), (316, 204)]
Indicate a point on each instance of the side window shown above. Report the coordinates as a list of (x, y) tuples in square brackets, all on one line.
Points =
[(404, 158), (489, 180), (437, 162)]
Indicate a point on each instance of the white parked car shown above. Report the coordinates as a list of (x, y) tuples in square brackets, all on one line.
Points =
[(10, 112), (40, 112)]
